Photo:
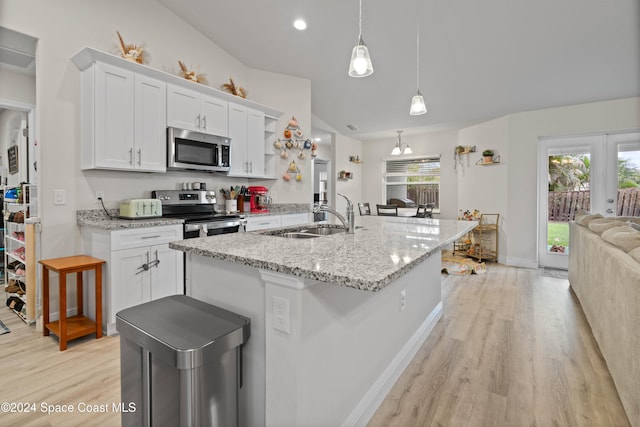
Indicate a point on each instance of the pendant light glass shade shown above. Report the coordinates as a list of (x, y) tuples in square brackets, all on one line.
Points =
[(360, 64), (397, 150), (417, 105)]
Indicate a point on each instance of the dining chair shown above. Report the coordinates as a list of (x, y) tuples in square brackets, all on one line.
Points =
[(387, 210), (425, 211), (364, 208)]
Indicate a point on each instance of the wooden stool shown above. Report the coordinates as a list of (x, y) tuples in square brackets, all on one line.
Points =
[(79, 325)]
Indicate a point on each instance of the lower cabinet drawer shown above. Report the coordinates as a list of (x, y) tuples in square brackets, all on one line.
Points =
[(135, 238), (262, 222)]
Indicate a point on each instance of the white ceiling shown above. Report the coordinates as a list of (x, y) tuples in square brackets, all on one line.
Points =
[(479, 59)]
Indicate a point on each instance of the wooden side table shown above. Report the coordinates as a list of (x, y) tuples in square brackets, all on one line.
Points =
[(76, 326)]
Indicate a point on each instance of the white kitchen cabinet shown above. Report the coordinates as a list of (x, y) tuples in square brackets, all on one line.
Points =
[(246, 130), (192, 110), (127, 282), (287, 220), (264, 222), (123, 120)]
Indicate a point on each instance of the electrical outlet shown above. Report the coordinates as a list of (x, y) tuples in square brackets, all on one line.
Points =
[(99, 195), (403, 300), (280, 308)]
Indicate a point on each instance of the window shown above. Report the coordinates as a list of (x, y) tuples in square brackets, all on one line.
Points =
[(417, 179)]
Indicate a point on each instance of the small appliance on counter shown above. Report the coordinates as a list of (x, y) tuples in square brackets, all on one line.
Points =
[(259, 199), (140, 209)]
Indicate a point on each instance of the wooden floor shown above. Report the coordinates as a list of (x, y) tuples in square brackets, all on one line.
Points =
[(512, 349)]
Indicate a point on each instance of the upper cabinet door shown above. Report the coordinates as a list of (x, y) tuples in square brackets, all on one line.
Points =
[(238, 134), (110, 114), (150, 124), (214, 116), (183, 108), (255, 142), (188, 109)]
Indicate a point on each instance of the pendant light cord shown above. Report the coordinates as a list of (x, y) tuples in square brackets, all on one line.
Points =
[(360, 22), (417, 44)]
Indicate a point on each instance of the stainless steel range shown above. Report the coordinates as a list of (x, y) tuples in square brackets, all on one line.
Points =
[(197, 208)]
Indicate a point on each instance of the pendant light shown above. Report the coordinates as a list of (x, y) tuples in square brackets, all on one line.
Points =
[(360, 65), (418, 106), (397, 150)]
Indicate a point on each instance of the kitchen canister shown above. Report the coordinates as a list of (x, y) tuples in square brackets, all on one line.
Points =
[(231, 205)]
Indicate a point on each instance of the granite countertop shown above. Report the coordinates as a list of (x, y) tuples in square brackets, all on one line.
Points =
[(97, 218), (381, 250)]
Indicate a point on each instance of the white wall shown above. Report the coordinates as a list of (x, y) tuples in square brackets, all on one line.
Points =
[(63, 28), (485, 187), (343, 147), (10, 127), (442, 143), (18, 87), (524, 131), (293, 96)]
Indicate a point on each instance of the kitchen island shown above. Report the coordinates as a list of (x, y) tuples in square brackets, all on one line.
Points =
[(335, 319)]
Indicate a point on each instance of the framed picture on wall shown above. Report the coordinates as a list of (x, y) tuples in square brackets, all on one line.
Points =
[(13, 159)]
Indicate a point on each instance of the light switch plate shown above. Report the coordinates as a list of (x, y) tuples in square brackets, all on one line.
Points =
[(59, 197)]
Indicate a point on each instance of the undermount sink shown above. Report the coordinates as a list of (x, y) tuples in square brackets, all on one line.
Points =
[(322, 231), (297, 235), (307, 232)]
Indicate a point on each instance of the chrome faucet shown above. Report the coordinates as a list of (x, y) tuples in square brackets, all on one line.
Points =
[(349, 222)]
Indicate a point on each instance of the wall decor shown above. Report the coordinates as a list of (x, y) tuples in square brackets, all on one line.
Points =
[(293, 139), (131, 52), (233, 89), (13, 159), (191, 75)]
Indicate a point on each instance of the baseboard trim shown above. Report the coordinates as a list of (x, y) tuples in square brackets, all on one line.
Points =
[(521, 262), (366, 408)]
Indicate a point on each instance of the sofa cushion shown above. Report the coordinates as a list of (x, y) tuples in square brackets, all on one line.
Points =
[(584, 218), (599, 225), (635, 254), (625, 237), (635, 225)]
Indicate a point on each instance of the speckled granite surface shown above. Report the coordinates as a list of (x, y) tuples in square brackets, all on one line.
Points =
[(380, 251), (98, 218)]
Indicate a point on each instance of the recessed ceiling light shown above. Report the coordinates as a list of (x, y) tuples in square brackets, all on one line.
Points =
[(317, 139), (300, 24)]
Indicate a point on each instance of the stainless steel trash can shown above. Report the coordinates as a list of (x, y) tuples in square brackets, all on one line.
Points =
[(180, 363)]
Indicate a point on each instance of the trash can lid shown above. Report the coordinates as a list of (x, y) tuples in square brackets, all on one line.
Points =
[(183, 331)]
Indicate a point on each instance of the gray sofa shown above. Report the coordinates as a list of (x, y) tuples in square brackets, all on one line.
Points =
[(604, 273)]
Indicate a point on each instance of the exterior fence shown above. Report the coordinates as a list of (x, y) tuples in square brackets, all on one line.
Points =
[(564, 205), (424, 193)]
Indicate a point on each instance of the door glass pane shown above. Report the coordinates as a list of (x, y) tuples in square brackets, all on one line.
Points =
[(569, 193), (628, 201)]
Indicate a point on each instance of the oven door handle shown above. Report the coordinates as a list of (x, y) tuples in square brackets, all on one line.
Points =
[(213, 225)]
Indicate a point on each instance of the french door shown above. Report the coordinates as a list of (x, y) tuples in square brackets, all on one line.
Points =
[(599, 173)]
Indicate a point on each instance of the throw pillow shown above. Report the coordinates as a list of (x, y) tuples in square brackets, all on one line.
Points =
[(625, 238), (601, 224), (635, 254)]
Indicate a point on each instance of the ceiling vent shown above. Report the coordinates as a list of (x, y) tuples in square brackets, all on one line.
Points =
[(17, 50), (352, 128)]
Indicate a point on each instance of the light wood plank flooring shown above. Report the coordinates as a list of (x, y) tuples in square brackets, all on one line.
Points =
[(512, 349)]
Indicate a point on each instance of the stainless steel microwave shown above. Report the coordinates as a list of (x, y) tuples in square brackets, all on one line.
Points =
[(189, 150)]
